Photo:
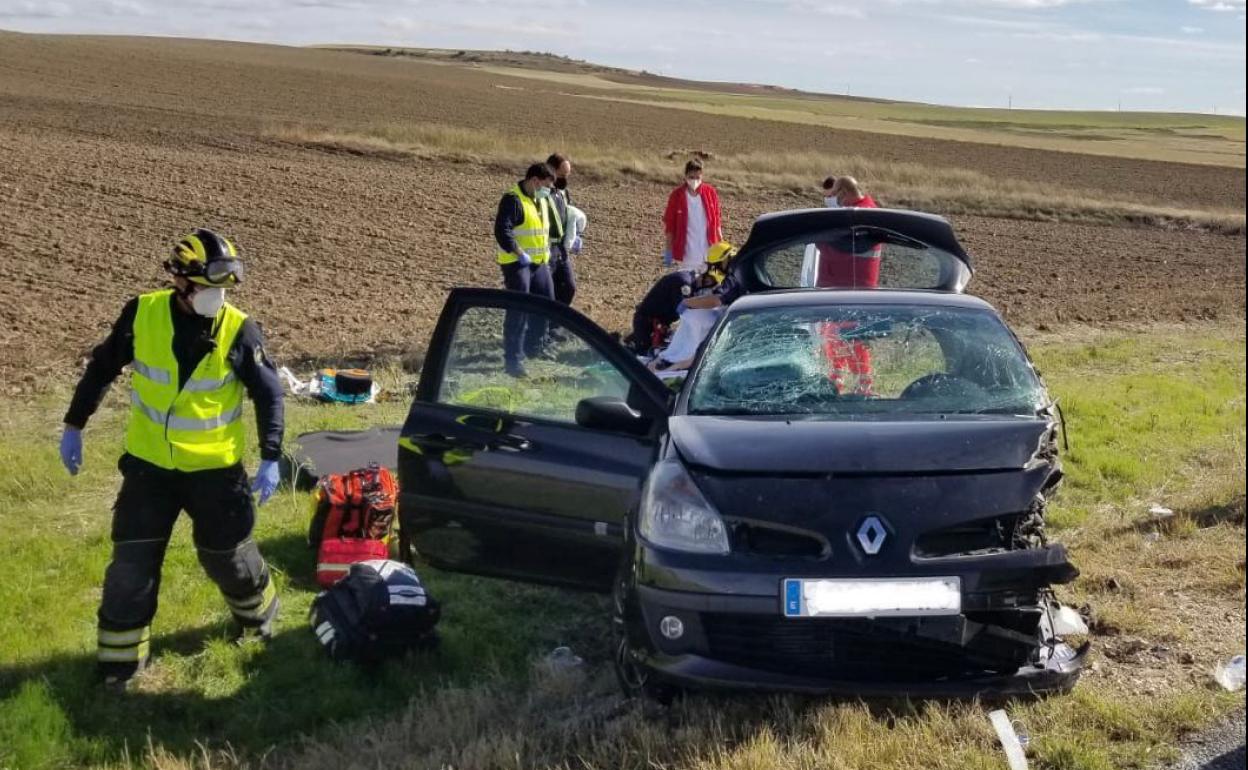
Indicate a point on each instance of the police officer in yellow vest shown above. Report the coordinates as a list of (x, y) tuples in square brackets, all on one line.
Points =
[(192, 356), (522, 229)]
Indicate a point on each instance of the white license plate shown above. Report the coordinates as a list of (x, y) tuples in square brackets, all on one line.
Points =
[(858, 598)]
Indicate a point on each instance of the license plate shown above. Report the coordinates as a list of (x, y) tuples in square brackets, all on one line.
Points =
[(870, 597)]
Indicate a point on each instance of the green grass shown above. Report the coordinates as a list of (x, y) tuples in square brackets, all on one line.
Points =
[(1151, 417)]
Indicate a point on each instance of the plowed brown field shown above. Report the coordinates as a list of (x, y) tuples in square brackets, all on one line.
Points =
[(109, 149)]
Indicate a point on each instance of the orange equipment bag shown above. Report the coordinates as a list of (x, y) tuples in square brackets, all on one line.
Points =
[(353, 516)]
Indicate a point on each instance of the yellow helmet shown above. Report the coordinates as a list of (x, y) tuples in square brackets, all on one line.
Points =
[(720, 253), (206, 258)]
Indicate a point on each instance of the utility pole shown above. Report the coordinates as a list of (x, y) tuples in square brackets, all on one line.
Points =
[(1010, 102)]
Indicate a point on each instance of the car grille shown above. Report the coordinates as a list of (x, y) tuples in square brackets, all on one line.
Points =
[(847, 649)]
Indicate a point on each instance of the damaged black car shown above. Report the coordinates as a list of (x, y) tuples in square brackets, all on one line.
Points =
[(846, 493)]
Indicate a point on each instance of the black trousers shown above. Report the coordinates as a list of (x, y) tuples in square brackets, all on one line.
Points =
[(149, 503), (562, 275), (524, 334)]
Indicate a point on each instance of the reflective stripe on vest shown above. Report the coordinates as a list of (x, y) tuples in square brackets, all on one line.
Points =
[(199, 425), (533, 234)]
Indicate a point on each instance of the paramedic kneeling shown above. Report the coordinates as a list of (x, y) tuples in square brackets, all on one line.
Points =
[(192, 356), (660, 308)]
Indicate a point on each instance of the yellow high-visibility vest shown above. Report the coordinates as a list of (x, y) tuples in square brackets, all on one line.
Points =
[(533, 234), (200, 425)]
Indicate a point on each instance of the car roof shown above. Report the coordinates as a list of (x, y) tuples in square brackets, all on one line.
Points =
[(830, 297)]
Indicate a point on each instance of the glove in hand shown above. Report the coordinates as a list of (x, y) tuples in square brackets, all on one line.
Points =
[(71, 449), (265, 483)]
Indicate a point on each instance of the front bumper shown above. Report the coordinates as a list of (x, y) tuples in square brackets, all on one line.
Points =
[(744, 642)]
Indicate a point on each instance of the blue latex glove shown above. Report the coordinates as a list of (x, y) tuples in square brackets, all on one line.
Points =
[(525, 259), (681, 307), (265, 483), (668, 261), (71, 449), (576, 245)]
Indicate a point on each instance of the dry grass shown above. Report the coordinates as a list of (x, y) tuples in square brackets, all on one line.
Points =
[(1166, 601), (903, 185)]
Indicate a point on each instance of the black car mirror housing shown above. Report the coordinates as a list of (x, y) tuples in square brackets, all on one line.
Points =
[(611, 413)]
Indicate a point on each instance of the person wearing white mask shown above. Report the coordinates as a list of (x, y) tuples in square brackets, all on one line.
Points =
[(691, 221), (829, 193), (194, 358)]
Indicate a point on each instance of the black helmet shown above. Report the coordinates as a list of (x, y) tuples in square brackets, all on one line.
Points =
[(206, 258)]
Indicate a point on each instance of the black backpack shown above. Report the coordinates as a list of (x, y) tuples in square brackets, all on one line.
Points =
[(379, 610)]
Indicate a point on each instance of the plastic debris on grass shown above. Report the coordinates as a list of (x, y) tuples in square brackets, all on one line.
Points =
[(1010, 741), (1230, 675)]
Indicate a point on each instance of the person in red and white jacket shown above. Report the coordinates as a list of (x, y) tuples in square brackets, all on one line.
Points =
[(846, 266), (691, 221)]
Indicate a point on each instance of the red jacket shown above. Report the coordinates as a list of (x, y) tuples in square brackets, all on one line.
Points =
[(676, 217)]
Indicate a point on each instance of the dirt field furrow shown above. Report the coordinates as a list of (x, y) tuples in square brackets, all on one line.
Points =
[(350, 255)]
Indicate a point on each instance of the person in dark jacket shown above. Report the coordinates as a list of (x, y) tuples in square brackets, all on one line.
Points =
[(669, 297), (522, 230), (193, 357), (561, 273)]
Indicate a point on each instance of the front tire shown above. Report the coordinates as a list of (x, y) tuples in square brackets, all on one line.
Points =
[(634, 679)]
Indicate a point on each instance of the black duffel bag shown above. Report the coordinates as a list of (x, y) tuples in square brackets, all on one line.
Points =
[(379, 610)]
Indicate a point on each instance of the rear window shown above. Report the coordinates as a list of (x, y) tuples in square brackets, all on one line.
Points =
[(860, 258), (865, 360)]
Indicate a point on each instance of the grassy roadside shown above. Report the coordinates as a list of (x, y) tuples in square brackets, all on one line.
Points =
[(903, 185), (1154, 417)]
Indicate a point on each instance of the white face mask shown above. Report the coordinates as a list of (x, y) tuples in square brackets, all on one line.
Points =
[(831, 202), (207, 302), (693, 184)]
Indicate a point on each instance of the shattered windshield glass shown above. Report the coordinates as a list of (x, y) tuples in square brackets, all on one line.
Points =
[(865, 360)]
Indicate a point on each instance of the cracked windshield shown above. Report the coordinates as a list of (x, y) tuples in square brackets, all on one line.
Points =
[(865, 361)]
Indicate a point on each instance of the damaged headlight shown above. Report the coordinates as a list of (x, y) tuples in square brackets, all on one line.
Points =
[(675, 515)]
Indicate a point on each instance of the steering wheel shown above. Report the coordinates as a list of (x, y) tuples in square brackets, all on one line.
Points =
[(942, 385)]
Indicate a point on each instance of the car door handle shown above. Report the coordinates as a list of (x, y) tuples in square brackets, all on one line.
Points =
[(510, 442)]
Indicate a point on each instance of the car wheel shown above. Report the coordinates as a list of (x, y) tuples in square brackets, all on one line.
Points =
[(634, 680)]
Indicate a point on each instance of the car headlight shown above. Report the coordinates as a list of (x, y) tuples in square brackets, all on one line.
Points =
[(675, 515)]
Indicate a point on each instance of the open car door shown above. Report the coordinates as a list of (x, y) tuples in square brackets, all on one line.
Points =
[(526, 477)]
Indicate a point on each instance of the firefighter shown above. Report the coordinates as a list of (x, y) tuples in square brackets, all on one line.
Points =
[(192, 356), (522, 229), (663, 304)]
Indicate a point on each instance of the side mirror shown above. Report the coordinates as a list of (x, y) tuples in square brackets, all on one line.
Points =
[(611, 413)]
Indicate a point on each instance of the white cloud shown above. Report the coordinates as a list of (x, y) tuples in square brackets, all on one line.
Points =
[(125, 8), (1144, 90), (32, 9), (1063, 36), (1192, 30), (1223, 6), (839, 10)]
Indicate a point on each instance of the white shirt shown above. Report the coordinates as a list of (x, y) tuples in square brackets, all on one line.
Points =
[(696, 244)]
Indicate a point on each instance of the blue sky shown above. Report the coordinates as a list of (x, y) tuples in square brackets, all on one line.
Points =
[(1183, 55)]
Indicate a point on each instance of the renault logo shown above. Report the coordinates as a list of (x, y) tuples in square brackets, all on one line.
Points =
[(872, 534)]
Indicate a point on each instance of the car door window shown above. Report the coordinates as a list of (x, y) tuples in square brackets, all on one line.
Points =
[(558, 373)]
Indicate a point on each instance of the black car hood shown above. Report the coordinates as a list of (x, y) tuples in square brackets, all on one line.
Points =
[(812, 445)]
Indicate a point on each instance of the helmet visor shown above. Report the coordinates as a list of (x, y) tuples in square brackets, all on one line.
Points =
[(220, 272)]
